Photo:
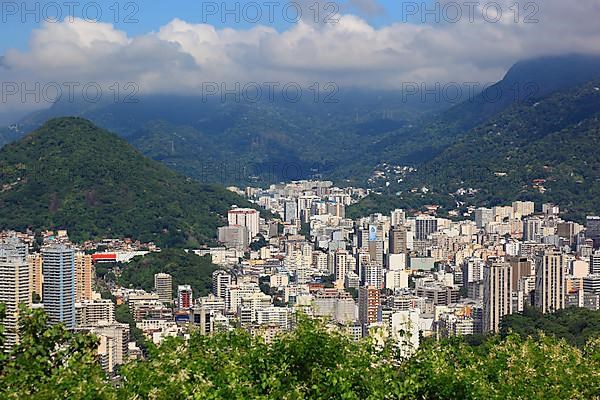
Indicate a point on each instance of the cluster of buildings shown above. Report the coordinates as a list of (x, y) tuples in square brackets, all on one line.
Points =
[(58, 279), (401, 275), (395, 276)]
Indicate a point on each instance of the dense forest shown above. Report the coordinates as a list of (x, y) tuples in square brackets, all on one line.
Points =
[(70, 174), (308, 363)]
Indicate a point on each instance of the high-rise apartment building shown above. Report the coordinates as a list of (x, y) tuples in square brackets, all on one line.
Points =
[(374, 274), (163, 285), (592, 229), (184, 296), (425, 225), (15, 288), (523, 208), (220, 281), (483, 216), (248, 217), (398, 217), (342, 264), (497, 294), (290, 211), (595, 263), (398, 240), (83, 276), (205, 311), (35, 274), (532, 229), (549, 281), (114, 340), (369, 305), (377, 251), (521, 266), (58, 268), (234, 237), (90, 312)]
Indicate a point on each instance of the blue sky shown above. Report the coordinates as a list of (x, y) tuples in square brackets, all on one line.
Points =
[(142, 16)]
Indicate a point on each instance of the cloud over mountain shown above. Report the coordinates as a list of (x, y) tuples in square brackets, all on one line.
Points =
[(477, 45)]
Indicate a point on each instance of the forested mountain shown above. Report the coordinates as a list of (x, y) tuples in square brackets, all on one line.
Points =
[(544, 149), (342, 135), (185, 268), (539, 149), (242, 142), (70, 174), (525, 81)]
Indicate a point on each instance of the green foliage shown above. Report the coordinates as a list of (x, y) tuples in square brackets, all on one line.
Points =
[(123, 315), (575, 325), (308, 363), (70, 174), (185, 268), (259, 243), (513, 368), (50, 363)]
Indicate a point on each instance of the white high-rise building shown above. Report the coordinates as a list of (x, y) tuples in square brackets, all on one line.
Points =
[(396, 279), (398, 217), (343, 261), (248, 217), (15, 286), (58, 268), (235, 293), (220, 281), (279, 316), (497, 294), (374, 275)]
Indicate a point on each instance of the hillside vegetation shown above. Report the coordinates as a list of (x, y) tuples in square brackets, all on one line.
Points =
[(185, 268), (71, 174), (542, 150)]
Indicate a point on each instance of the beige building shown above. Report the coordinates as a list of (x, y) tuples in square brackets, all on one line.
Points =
[(35, 272), (163, 285), (497, 294), (90, 312), (114, 343), (14, 287), (83, 277), (550, 281)]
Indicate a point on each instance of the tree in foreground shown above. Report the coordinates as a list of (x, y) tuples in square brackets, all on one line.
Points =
[(308, 363)]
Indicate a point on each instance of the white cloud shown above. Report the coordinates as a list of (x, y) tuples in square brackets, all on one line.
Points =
[(180, 56)]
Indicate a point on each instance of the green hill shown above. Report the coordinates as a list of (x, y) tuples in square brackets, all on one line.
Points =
[(543, 149), (185, 268), (71, 174), (540, 149)]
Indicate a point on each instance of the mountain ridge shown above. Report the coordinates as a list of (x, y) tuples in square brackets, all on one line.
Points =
[(71, 174)]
